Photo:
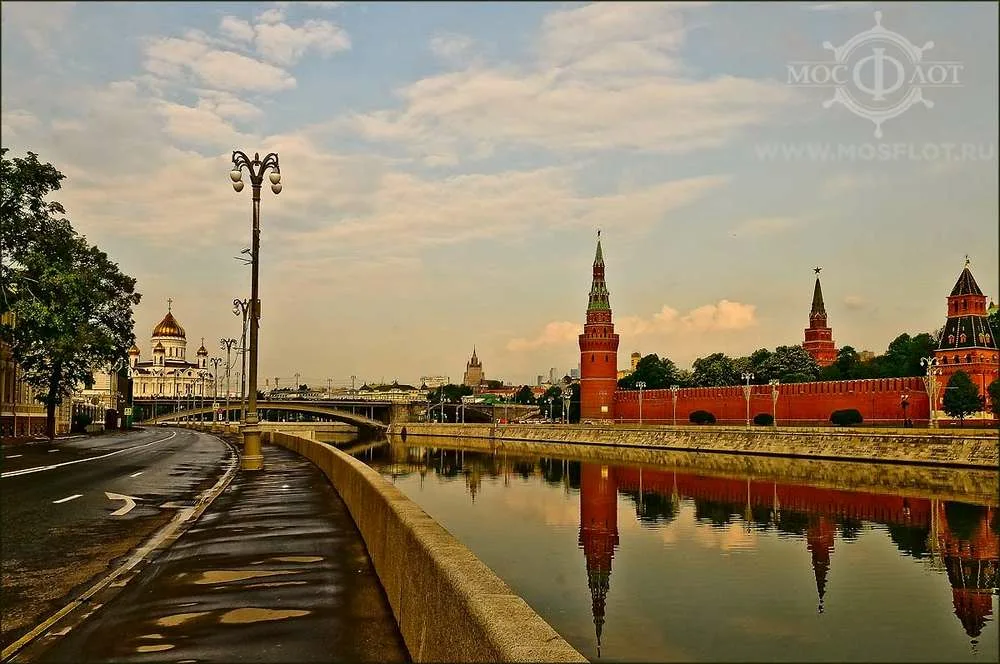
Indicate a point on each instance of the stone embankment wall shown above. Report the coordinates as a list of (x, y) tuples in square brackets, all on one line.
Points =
[(450, 607), (934, 447)]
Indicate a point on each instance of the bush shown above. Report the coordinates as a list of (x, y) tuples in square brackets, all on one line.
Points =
[(763, 419), (702, 417), (846, 418)]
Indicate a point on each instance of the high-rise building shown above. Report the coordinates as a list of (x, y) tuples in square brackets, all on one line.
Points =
[(819, 337), (967, 343), (598, 349), (474, 375)]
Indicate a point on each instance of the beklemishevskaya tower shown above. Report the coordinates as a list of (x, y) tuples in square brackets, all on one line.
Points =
[(598, 350)]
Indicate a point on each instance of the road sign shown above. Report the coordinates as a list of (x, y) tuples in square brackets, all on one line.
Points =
[(215, 405), (128, 411)]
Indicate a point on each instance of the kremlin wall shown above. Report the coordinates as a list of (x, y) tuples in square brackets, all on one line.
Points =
[(967, 343)]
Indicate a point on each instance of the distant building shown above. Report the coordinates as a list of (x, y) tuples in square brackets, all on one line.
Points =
[(635, 360), (866, 356), (433, 382), (574, 374), (474, 375), (818, 336), (394, 391), (20, 413), (541, 379), (553, 375)]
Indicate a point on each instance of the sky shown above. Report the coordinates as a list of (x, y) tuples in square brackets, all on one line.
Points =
[(446, 167)]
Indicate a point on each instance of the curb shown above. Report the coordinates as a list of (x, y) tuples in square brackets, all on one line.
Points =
[(160, 540)]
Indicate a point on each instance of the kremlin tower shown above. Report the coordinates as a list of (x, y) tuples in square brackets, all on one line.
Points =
[(967, 343), (819, 337), (598, 350)]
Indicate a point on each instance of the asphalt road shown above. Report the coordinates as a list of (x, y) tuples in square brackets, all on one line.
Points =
[(59, 529)]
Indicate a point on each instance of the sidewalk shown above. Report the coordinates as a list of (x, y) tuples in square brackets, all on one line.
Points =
[(273, 571)]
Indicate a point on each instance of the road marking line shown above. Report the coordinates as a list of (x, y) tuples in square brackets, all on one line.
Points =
[(38, 469), (137, 474), (13, 456), (53, 450), (124, 509), (67, 499)]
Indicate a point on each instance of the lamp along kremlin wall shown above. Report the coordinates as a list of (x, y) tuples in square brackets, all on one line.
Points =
[(967, 344)]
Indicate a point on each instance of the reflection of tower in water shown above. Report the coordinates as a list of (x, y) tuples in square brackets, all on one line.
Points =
[(819, 541), (969, 548), (598, 535)]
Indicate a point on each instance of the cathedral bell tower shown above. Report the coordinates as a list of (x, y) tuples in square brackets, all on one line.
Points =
[(598, 350)]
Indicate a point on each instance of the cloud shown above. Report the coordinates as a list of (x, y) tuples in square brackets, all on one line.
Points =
[(723, 316), (13, 123), (605, 77), (554, 334), (284, 45), (855, 302), (171, 58), (236, 28), (37, 22), (764, 226), (450, 46)]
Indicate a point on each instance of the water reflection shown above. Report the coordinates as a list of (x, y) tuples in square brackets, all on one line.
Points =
[(954, 540)]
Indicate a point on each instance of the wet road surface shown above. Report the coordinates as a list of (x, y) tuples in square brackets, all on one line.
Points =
[(273, 571), (60, 530)]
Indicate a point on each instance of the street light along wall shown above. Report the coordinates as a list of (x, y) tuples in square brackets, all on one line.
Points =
[(253, 459)]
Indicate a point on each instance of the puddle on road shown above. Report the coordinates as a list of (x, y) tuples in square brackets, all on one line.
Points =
[(299, 559), (180, 618), (151, 636), (157, 648), (226, 576), (252, 615)]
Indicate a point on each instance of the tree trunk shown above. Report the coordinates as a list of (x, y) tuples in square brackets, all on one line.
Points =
[(50, 401)]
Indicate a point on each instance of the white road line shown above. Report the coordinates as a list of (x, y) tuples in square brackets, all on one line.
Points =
[(124, 509), (67, 499), (137, 474), (13, 456), (38, 469), (53, 450)]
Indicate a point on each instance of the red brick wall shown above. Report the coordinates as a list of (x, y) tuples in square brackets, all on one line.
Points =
[(798, 403)]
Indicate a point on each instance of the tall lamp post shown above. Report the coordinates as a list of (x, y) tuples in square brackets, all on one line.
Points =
[(227, 345), (641, 385), (774, 382), (216, 361), (674, 389), (550, 408), (930, 381), (253, 459), (904, 402), (567, 396), (242, 307), (747, 376)]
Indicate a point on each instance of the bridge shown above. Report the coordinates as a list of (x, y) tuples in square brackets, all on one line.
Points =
[(373, 415)]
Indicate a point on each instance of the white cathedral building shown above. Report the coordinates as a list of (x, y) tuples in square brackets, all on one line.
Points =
[(169, 374)]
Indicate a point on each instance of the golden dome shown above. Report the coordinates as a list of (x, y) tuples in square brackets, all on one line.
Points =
[(169, 327), (134, 350)]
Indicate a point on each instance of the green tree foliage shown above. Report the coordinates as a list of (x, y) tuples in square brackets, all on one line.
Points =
[(961, 397), (847, 417), (524, 396), (657, 373), (763, 419), (994, 319), (702, 417), (790, 364), (451, 393), (72, 306), (715, 370), (994, 391)]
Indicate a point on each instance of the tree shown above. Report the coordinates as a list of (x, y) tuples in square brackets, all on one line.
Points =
[(961, 397), (715, 370), (994, 320), (451, 393), (525, 396), (790, 364), (994, 391), (657, 373)]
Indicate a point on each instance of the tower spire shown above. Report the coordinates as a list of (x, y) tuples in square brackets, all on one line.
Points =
[(599, 300), (818, 308)]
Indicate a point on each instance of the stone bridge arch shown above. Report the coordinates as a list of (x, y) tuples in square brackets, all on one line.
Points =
[(336, 414)]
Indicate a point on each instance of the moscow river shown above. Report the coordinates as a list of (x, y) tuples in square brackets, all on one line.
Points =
[(718, 557)]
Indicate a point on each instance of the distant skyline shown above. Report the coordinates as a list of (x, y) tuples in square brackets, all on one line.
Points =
[(446, 167)]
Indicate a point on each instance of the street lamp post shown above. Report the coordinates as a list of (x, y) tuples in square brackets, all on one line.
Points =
[(253, 459), (227, 345), (747, 376), (930, 381), (242, 308), (567, 396), (904, 402), (774, 382), (216, 361), (674, 389), (641, 385), (550, 408)]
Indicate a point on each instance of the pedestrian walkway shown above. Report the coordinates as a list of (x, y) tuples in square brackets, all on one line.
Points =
[(273, 571)]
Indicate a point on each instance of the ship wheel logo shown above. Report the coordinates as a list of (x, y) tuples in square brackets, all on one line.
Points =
[(877, 74)]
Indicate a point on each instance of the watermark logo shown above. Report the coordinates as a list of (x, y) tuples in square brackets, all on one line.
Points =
[(877, 74)]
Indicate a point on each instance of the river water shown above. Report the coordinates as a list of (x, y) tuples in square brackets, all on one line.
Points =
[(687, 557)]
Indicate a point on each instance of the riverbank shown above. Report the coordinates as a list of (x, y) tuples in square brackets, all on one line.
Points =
[(964, 449)]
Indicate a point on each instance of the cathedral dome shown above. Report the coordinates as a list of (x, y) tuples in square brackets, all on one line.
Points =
[(134, 350), (202, 351), (158, 348), (169, 327)]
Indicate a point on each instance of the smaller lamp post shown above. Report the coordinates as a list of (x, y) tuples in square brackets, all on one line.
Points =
[(674, 389), (930, 381), (904, 403), (747, 376), (641, 385), (550, 408), (774, 382), (227, 344), (567, 396)]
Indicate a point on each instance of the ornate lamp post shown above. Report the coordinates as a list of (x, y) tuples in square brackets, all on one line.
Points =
[(641, 385), (774, 382), (242, 307), (747, 376), (673, 393), (567, 396), (904, 402), (930, 381), (253, 459), (550, 408), (227, 345)]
